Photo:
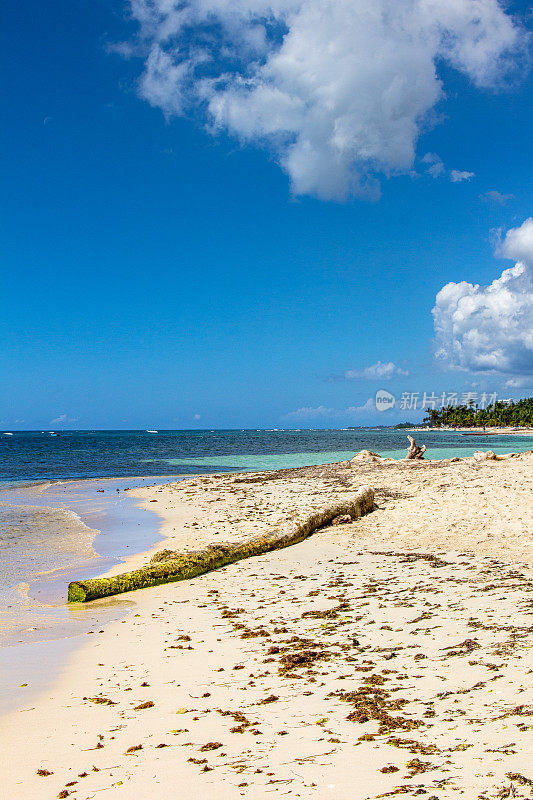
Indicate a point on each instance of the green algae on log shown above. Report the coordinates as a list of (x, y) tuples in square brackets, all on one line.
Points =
[(169, 566)]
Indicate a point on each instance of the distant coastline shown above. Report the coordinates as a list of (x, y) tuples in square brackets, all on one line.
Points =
[(476, 430)]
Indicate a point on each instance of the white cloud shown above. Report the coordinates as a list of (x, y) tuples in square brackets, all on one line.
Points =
[(496, 197), (377, 371), (456, 176), (435, 165), (365, 414), (338, 90), (518, 244), (490, 328), (519, 383), (324, 413), (62, 418)]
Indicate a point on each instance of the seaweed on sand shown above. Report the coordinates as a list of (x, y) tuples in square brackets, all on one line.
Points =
[(372, 702)]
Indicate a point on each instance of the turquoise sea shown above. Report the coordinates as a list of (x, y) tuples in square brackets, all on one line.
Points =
[(35, 455)]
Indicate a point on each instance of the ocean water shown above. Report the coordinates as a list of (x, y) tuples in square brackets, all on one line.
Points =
[(33, 456)]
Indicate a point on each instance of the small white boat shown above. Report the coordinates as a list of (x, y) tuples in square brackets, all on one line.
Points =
[(152, 431), (8, 433)]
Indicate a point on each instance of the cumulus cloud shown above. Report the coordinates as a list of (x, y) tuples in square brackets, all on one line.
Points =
[(378, 371), (490, 328), (337, 90), (456, 176), (518, 244)]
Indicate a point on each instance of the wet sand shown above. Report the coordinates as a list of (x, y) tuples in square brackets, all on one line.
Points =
[(52, 532), (385, 657)]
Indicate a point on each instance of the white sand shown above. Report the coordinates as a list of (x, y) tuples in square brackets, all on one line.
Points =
[(435, 654)]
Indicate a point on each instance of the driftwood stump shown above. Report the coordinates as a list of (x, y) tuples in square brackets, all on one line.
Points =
[(415, 451)]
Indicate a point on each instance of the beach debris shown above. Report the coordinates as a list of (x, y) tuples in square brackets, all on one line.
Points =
[(518, 778), (372, 702), (142, 706), (292, 660), (490, 455), (342, 519), (330, 613), (409, 558), (270, 699), (44, 773), (415, 451), (175, 566), (412, 745), (101, 701), (463, 648), (416, 767), (365, 455), (210, 746)]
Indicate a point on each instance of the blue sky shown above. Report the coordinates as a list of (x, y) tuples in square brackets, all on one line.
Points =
[(171, 267)]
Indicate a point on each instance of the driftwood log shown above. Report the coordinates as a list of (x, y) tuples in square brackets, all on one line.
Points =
[(415, 451), (490, 455), (169, 566)]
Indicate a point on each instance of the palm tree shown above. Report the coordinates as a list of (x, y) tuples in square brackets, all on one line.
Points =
[(500, 413)]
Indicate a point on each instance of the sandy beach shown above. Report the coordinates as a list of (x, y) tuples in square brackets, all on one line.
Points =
[(384, 657)]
